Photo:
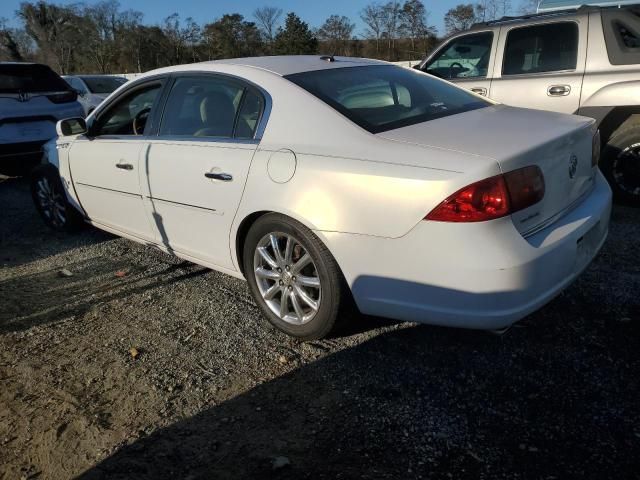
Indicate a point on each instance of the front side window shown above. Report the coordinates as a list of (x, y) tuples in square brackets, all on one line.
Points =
[(463, 57), (208, 106), (129, 116), (385, 97), (551, 47)]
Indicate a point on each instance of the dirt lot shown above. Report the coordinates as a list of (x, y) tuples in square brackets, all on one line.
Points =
[(215, 393)]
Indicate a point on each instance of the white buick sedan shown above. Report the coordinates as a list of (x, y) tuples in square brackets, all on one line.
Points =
[(324, 180)]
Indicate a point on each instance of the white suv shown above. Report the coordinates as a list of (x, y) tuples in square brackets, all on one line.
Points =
[(32, 99)]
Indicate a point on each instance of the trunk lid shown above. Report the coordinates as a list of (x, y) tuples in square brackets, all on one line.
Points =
[(559, 144)]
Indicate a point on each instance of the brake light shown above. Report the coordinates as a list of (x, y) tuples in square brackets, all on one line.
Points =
[(493, 197), (63, 97)]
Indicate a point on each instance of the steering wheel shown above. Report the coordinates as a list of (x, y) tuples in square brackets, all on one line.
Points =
[(454, 64), (140, 120)]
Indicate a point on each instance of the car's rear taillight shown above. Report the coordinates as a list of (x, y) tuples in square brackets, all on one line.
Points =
[(595, 149), (493, 197), (63, 97)]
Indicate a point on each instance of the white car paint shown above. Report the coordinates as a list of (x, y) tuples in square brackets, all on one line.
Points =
[(364, 195)]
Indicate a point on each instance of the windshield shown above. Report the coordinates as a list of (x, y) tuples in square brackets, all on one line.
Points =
[(103, 84), (385, 97), (29, 78)]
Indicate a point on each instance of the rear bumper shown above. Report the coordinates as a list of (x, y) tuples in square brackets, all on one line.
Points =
[(483, 275)]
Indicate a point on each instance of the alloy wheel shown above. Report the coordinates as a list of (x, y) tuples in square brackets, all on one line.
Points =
[(626, 170), (51, 202), (287, 278)]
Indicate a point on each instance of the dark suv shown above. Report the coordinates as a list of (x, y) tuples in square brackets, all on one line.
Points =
[(32, 99)]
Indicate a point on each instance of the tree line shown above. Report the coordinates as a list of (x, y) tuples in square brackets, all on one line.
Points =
[(105, 38)]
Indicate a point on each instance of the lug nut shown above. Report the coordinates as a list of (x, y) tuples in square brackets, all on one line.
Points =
[(281, 283), (279, 270), (287, 267)]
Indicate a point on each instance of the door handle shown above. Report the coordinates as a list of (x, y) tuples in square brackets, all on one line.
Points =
[(480, 91), (224, 177), (558, 90), (124, 166)]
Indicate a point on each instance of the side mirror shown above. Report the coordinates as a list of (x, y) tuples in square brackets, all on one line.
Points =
[(71, 126)]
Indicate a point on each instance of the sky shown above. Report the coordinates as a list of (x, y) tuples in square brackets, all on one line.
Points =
[(314, 12)]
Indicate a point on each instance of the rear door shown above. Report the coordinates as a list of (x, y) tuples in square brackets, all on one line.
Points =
[(541, 65), (466, 60), (196, 168), (105, 163)]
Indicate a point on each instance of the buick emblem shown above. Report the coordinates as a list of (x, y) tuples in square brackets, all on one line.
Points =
[(573, 166), (23, 97)]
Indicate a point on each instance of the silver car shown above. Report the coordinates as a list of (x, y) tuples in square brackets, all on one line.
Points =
[(578, 60), (93, 89)]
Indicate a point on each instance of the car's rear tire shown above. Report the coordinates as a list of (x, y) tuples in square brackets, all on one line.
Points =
[(301, 271), (620, 164), (51, 201)]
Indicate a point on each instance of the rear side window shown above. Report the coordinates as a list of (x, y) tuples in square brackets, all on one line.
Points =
[(210, 106), (381, 98), (622, 35), (28, 78), (551, 47), (102, 85)]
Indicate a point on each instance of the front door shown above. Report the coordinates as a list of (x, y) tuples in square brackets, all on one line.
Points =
[(542, 66), (197, 167), (465, 60), (105, 163)]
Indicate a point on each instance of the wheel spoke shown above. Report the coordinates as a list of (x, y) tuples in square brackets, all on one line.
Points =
[(288, 252), (306, 298), (283, 306), (313, 282), (303, 262), (296, 306), (272, 291), (267, 258), (270, 274), (276, 249)]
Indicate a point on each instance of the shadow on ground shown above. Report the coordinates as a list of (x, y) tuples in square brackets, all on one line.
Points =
[(421, 402)]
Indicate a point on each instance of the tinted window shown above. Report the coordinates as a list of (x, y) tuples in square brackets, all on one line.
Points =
[(26, 78), (463, 57), (129, 115), (542, 48), (381, 98), (103, 84), (250, 112), (622, 35), (209, 106)]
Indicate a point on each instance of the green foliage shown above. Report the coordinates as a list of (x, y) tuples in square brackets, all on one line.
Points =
[(295, 38)]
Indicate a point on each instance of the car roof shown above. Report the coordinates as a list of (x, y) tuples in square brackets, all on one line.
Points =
[(291, 64), (508, 20)]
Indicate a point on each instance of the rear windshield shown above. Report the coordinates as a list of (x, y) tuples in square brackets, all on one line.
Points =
[(16, 78), (385, 97), (103, 84)]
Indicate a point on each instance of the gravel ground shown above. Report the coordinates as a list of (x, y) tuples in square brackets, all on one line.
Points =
[(214, 392)]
